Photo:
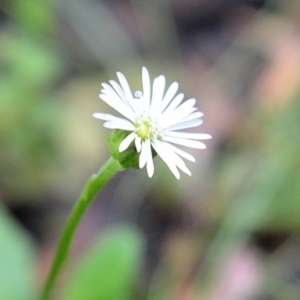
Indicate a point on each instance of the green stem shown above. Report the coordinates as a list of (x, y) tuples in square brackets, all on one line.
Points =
[(91, 188)]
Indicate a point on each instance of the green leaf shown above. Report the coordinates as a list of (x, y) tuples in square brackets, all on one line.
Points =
[(109, 270), (16, 260)]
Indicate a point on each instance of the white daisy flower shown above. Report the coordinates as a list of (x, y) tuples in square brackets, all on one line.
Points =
[(153, 120)]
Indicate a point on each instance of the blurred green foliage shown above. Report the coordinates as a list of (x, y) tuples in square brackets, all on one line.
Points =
[(109, 269), (29, 116), (34, 16), (263, 174), (17, 260), (282, 149)]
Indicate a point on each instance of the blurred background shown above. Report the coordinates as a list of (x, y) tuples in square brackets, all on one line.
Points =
[(229, 232)]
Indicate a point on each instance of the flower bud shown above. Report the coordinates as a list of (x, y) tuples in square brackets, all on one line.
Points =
[(129, 157)]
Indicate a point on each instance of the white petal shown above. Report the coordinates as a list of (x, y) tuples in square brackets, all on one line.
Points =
[(187, 135), (102, 116), (146, 158), (186, 105), (176, 116), (194, 115), (118, 105), (126, 142), (146, 88), (109, 117), (172, 156), (187, 124), (157, 92), (180, 152), (180, 164), (118, 89), (122, 95), (118, 93), (138, 144), (165, 156), (125, 86), (185, 142), (171, 117), (169, 95), (108, 90), (143, 155), (150, 165), (122, 124), (175, 102), (115, 122)]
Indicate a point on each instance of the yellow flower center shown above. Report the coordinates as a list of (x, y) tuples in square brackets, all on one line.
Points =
[(143, 129), (146, 128)]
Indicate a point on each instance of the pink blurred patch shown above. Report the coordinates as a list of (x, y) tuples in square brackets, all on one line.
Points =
[(241, 278)]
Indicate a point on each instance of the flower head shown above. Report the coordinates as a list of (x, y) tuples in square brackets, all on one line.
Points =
[(153, 119)]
